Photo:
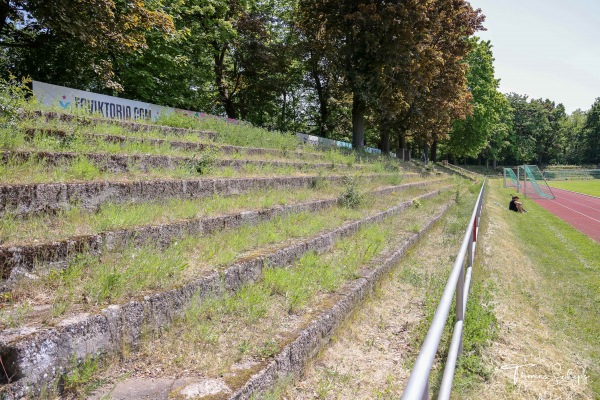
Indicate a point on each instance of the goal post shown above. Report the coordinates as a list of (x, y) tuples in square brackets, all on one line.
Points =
[(534, 183)]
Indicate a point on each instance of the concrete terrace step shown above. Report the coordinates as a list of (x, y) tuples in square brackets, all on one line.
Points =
[(35, 356), (132, 126), (116, 163), (26, 199), (19, 260), (177, 144), (300, 344)]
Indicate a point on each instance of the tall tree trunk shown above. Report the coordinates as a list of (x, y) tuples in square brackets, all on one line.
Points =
[(323, 96), (225, 97), (385, 141), (425, 153), (283, 112), (402, 146), (434, 151), (359, 109)]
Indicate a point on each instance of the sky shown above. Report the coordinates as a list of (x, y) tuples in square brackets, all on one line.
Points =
[(546, 49)]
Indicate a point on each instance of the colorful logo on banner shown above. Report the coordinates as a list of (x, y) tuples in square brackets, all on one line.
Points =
[(63, 103)]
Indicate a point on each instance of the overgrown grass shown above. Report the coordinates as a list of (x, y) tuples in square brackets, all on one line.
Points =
[(219, 331), (114, 276), (36, 170), (568, 265), (542, 276), (242, 134), (74, 131), (78, 221)]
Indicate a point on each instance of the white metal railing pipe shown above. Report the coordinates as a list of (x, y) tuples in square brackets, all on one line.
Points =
[(418, 383)]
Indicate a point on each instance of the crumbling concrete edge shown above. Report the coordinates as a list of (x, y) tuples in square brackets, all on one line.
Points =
[(120, 163), (19, 260), (293, 358), (178, 144), (29, 199), (37, 357)]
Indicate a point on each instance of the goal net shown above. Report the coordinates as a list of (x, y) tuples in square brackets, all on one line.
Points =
[(510, 179), (533, 183)]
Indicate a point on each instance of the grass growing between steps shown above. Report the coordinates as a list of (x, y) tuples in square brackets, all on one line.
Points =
[(368, 357), (73, 132), (90, 281), (38, 170), (78, 221), (253, 324), (545, 280), (83, 144), (242, 134)]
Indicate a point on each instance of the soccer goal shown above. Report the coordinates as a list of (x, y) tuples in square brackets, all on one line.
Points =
[(510, 179), (533, 183)]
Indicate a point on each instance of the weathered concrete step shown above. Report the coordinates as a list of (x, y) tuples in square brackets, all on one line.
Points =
[(302, 343), (130, 125), (35, 356), (178, 144), (19, 260), (454, 170), (26, 199), (119, 163), (293, 358)]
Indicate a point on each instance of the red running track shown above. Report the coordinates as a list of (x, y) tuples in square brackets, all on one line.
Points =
[(579, 210)]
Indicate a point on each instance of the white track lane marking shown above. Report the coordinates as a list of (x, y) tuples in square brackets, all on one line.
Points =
[(593, 206), (575, 211), (579, 204)]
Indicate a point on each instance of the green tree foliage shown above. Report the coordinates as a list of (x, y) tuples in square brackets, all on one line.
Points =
[(242, 53), (54, 38), (573, 150), (591, 133), (395, 57), (438, 94), (488, 120), (537, 132)]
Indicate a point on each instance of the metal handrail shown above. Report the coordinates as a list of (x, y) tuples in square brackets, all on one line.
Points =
[(459, 281)]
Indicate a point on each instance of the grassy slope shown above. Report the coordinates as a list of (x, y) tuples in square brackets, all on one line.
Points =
[(546, 281), (591, 187)]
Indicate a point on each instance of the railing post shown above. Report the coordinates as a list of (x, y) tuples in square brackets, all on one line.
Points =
[(460, 291), (470, 251)]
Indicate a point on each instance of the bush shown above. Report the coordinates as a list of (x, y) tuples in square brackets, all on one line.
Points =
[(14, 96), (351, 197)]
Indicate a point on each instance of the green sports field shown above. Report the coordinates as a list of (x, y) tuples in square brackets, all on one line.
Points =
[(591, 187)]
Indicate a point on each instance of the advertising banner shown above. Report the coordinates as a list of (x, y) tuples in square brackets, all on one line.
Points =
[(108, 106)]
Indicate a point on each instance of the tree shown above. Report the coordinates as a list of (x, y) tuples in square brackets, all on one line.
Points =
[(246, 47), (574, 142), (395, 56), (438, 94), (474, 133), (530, 126), (591, 132), (91, 33)]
